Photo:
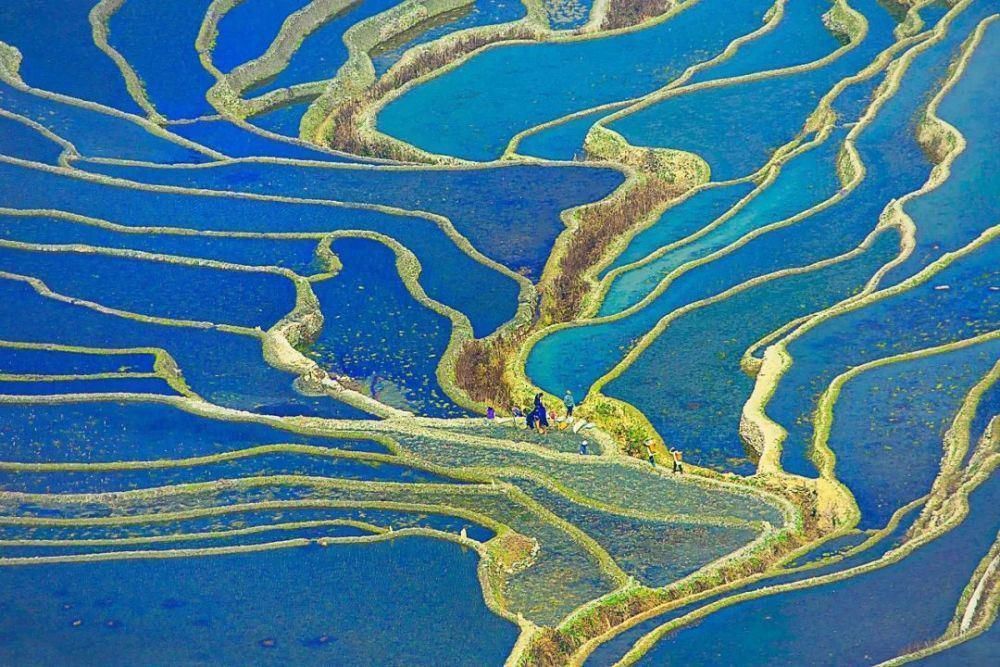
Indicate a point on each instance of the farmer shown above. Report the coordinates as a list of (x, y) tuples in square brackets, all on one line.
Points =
[(542, 416), (650, 455), (569, 403), (678, 460)]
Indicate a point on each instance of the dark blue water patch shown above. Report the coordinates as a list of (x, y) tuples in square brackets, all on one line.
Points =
[(682, 219), (235, 141), (724, 125), (831, 548), (510, 214), (804, 182), (59, 54), (852, 102), (657, 553), (223, 368), (158, 288), (250, 517), (246, 30), (277, 535), (86, 386), (323, 51), (18, 360), (933, 13), (104, 431), (24, 142), (988, 408), (282, 120), (965, 205), (480, 13), (158, 40), (526, 85), (561, 142), (284, 463), (912, 320), (889, 425), (897, 600), (376, 332), (800, 37), (298, 255), (610, 652), (349, 604), (983, 649), (96, 133), (487, 297), (688, 382)]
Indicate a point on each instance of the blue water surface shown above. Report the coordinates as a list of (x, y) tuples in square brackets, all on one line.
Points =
[(511, 214), (59, 53), (487, 297), (323, 51), (376, 332), (158, 40), (18, 360), (479, 13), (224, 368), (800, 37), (525, 85), (782, 629), (246, 30), (310, 605), (724, 124), (96, 133)]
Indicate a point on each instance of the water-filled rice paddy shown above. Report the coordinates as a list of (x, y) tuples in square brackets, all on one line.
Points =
[(246, 352)]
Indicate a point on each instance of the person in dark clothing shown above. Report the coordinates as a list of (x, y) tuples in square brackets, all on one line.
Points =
[(531, 417), (541, 414)]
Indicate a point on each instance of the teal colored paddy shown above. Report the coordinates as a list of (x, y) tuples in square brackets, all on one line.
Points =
[(478, 13), (525, 85), (966, 199), (895, 165), (799, 38), (723, 124), (886, 598)]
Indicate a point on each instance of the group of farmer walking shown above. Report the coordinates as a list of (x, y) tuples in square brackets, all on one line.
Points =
[(537, 418)]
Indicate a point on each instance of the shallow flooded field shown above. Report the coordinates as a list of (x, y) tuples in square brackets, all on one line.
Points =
[(485, 332)]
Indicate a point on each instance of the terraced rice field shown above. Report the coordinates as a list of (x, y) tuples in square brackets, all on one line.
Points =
[(265, 266)]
